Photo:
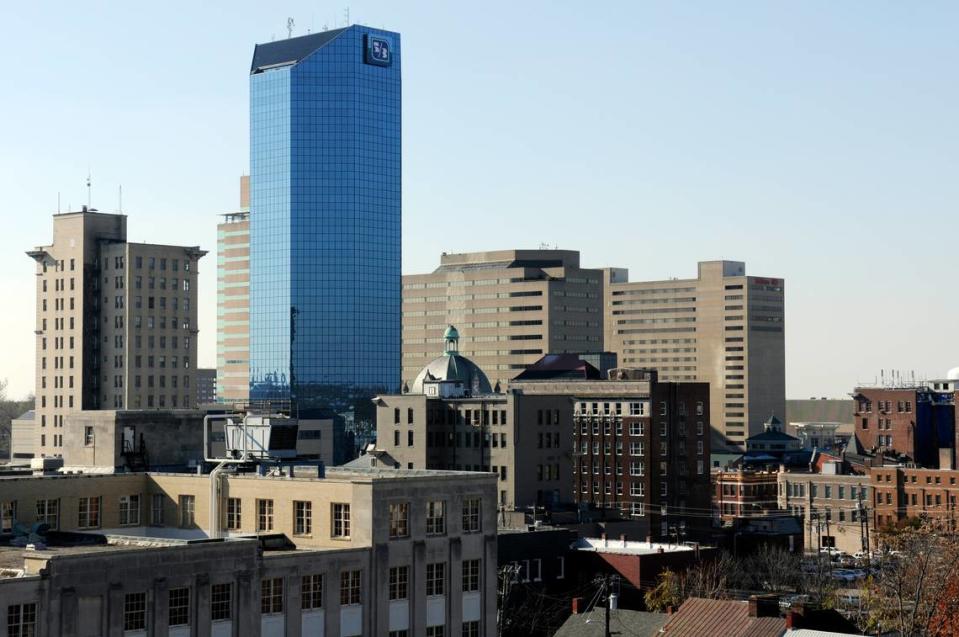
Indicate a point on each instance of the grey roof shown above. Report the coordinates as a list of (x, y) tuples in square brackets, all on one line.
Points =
[(772, 435), (831, 410), (622, 622), (452, 366), (27, 415), (291, 50)]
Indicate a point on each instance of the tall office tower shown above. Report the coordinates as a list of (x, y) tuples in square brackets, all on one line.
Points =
[(325, 220), (116, 323), (233, 302), (513, 306), (722, 327)]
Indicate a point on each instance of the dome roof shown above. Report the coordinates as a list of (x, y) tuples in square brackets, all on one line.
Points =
[(953, 374), (453, 367)]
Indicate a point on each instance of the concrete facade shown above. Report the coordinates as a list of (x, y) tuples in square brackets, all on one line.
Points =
[(116, 323), (513, 306), (233, 303), (722, 327), (23, 436), (401, 526), (495, 433), (133, 440)]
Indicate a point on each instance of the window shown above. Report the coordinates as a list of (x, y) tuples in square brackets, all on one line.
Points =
[(88, 513), (471, 575), (471, 515), (129, 510), (221, 602), (22, 620), (399, 582), (179, 607), (302, 518), (399, 519), (312, 592), (271, 596), (234, 514), (349, 588), (135, 611), (264, 515), (87, 436), (187, 511), (48, 512), (471, 629), (341, 521), (435, 631), (435, 517), (436, 578), (156, 509)]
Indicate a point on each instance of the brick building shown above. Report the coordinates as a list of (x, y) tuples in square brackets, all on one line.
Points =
[(915, 421), (744, 493), (644, 452), (903, 493)]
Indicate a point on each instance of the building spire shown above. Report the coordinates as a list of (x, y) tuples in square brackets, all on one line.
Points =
[(452, 339)]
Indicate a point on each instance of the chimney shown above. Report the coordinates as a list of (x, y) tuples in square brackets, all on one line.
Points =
[(576, 603), (602, 536), (763, 606), (669, 609), (622, 538), (790, 620)]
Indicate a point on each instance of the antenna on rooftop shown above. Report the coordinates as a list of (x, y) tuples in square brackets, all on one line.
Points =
[(58, 203), (289, 27), (89, 195), (346, 14), (120, 200)]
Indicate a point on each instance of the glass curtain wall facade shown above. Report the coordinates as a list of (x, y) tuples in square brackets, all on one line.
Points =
[(325, 220)]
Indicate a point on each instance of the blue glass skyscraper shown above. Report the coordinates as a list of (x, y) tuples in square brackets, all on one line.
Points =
[(325, 215)]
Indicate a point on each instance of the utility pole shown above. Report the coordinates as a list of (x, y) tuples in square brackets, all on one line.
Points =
[(507, 577)]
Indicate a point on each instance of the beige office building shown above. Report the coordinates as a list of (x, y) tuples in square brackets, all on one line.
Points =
[(722, 327), (512, 307), (357, 552), (233, 308), (116, 323)]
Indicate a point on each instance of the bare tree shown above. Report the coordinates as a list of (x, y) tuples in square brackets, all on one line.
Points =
[(914, 590)]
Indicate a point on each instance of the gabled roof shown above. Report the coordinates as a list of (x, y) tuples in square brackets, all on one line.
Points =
[(291, 50), (701, 617)]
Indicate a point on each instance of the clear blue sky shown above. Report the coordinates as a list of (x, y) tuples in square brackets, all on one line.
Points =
[(817, 141)]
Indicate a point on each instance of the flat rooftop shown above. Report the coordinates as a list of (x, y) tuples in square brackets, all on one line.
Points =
[(626, 547)]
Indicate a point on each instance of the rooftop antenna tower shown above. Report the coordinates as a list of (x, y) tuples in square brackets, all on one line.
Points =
[(120, 200), (346, 14), (89, 194), (289, 27)]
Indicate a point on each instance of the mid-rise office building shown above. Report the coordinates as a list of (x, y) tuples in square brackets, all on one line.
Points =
[(325, 209), (452, 418), (513, 306), (722, 327), (233, 302), (834, 506), (917, 420), (116, 323), (348, 553), (641, 447), (559, 434)]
